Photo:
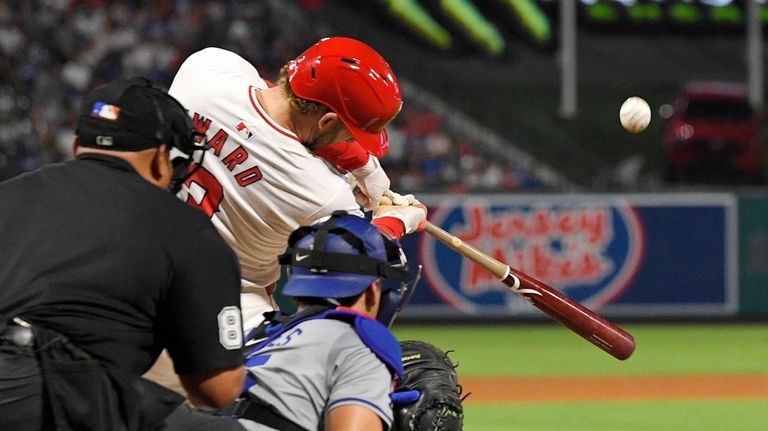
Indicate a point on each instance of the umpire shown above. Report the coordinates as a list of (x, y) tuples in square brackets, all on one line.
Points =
[(101, 268)]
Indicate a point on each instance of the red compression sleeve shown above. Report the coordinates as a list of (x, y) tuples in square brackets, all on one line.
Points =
[(346, 155)]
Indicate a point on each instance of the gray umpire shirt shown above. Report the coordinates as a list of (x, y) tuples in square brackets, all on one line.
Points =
[(316, 366)]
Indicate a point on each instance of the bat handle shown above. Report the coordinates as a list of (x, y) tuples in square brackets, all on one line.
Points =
[(499, 269)]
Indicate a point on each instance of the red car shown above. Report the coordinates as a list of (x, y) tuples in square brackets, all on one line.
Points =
[(714, 135)]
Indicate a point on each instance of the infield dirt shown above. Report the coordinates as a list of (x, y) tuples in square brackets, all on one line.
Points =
[(615, 388)]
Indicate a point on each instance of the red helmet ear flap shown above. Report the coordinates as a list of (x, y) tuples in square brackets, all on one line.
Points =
[(355, 82)]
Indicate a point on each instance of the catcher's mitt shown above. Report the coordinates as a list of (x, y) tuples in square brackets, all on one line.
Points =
[(438, 407)]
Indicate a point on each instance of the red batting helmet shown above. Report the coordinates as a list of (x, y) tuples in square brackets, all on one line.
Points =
[(354, 81)]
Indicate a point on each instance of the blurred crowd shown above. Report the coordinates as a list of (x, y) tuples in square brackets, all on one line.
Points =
[(54, 51), (424, 156)]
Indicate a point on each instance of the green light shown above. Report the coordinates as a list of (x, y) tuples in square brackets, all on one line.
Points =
[(684, 13), (726, 14), (602, 12), (645, 12), (764, 14), (418, 19), (482, 31), (532, 18)]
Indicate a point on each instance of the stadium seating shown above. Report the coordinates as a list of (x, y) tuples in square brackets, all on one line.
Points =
[(55, 51)]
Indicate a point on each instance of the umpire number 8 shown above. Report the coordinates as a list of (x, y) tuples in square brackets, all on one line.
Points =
[(230, 328)]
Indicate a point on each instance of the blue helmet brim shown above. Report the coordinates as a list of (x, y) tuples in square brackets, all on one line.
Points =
[(330, 284)]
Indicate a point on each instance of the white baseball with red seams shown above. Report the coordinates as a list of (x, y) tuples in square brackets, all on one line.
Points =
[(635, 114)]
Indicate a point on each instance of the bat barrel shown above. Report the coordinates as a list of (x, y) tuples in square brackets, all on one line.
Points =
[(579, 319), (568, 312)]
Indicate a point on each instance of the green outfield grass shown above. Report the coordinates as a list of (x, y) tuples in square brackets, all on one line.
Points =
[(532, 350), (636, 416), (551, 350)]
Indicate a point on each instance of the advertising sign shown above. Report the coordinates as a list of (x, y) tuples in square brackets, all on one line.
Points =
[(641, 255)]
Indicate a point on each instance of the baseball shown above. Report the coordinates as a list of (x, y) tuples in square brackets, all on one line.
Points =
[(635, 114)]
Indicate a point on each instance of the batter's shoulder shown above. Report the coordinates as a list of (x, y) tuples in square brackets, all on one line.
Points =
[(213, 54), (217, 60)]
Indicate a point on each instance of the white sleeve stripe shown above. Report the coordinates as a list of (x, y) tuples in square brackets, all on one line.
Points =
[(344, 401)]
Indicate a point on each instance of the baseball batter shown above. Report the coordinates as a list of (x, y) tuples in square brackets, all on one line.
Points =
[(261, 179), (263, 175)]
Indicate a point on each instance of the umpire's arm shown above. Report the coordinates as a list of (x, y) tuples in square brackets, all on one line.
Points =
[(205, 330), (215, 389)]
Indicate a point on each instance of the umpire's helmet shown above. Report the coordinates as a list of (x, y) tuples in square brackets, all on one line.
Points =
[(133, 115), (354, 81), (341, 257)]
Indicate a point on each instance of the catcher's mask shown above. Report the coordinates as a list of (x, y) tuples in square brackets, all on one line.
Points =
[(343, 255), (133, 115)]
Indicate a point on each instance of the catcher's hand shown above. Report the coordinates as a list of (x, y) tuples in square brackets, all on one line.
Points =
[(429, 371)]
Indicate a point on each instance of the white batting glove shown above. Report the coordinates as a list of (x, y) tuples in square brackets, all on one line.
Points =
[(413, 216), (372, 182), (394, 198)]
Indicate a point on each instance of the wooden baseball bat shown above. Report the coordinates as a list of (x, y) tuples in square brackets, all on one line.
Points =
[(579, 319)]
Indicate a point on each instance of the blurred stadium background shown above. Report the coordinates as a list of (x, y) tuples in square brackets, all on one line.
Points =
[(510, 133)]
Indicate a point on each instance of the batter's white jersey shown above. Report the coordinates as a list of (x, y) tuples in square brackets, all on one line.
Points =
[(257, 182)]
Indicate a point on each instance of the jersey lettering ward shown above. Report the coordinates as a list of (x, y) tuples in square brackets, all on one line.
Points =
[(257, 182)]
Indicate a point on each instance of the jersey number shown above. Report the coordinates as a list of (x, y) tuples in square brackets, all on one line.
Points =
[(205, 191), (230, 328)]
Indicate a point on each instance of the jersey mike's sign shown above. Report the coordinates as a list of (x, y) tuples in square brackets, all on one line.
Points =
[(588, 251), (634, 255)]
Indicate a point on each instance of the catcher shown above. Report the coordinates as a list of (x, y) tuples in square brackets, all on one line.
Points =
[(332, 364)]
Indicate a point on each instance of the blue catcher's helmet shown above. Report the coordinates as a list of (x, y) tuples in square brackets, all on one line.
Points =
[(341, 257)]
